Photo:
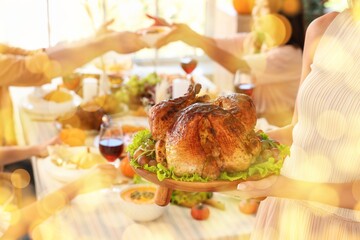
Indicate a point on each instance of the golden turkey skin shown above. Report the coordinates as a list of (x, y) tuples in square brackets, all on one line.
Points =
[(207, 139)]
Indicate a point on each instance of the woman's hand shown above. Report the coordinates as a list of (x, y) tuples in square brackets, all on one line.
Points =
[(104, 28), (41, 149), (179, 32), (270, 186), (158, 21), (125, 42)]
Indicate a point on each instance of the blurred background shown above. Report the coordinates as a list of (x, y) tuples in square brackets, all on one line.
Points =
[(34, 24)]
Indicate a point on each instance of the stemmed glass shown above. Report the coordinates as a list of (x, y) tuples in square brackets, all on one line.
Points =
[(243, 83), (111, 141), (188, 64)]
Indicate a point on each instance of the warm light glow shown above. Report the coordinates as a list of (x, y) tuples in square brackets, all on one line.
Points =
[(20, 178), (357, 208), (319, 167), (136, 230), (289, 220), (343, 59), (5, 194), (92, 203), (15, 217), (356, 10), (324, 194), (291, 7), (52, 203), (356, 190), (276, 29), (334, 119), (345, 160), (270, 231), (47, 230)]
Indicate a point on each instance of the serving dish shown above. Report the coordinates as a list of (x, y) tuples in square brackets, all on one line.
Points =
[(137, 202), (167, 185), (41, 109)]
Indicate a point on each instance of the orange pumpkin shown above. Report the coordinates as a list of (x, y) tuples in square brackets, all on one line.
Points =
[(73, 136), (126, 168), (72, 81), (243, 6)]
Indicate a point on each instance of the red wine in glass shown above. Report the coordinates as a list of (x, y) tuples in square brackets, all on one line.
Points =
[(245, 88), (188, 64), (111, 148)]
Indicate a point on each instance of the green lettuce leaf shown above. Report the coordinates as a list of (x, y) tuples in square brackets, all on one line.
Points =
[(144, 141)]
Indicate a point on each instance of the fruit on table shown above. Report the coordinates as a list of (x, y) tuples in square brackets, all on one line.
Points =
[(249, 206), (125, 167), (200, 212), (86, 159), (72, 81), (243, 6), (58, 96), (108, 103), (73, 136)]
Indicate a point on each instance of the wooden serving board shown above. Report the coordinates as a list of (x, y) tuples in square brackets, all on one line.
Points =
[(166, 186)]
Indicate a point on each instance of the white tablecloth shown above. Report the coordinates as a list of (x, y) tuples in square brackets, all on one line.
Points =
[(98, 215)]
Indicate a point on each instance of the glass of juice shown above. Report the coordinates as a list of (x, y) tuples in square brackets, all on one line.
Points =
[(243, 83), (111, 141), (188, 64)]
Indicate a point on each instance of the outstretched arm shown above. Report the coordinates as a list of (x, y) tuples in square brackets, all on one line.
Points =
[(344, 195), (182, 32), (26, 219), (41, 66), (72, 55), (11, 154)]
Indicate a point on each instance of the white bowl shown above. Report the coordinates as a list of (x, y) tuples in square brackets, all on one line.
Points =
[(152, 34), (140, 212), (40, 108)]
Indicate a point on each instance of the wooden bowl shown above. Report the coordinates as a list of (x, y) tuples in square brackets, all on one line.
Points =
[(166, 186)]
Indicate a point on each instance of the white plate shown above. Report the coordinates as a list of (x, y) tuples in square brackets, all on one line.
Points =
[(39, 108), (152, 34)]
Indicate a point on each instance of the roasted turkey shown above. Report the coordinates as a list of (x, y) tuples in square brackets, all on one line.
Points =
[(197, 136)]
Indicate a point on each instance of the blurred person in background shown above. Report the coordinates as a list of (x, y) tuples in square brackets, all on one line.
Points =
[(317, 194), (20, 67), (12, 155), (21, 223), (274, 66)]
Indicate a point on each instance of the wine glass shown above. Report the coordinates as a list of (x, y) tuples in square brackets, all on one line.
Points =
[(188, 64), (243, 83), (111, 142)]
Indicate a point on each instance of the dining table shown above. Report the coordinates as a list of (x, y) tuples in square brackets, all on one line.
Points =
[(98, 215)]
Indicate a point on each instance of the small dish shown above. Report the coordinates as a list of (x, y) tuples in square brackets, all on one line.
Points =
[(138, 202), (152, 34)]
